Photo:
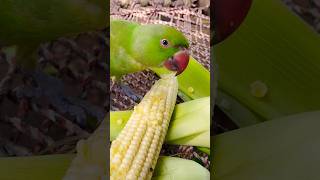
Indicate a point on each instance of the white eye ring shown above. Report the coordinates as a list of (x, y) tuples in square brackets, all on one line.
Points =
[(164, 43)]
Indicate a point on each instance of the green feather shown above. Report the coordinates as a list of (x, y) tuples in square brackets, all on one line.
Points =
[(28, 23), (41, 21)]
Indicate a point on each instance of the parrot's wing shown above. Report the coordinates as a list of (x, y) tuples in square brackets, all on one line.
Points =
[(121, 61)]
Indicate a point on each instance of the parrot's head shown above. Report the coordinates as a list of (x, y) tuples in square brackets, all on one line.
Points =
[(160, 46)]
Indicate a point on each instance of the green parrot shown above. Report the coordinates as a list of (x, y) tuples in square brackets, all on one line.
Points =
[(24, 25), (135, 47)]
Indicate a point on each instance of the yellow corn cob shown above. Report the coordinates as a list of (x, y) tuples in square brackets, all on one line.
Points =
[(134, 153)]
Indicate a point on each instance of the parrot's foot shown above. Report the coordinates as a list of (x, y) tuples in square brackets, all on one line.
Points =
[(130, 93), (52, 89)]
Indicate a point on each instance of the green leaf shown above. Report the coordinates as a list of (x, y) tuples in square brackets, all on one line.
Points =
[(286, 148), (190, 123), (267, 50), (179, 169)]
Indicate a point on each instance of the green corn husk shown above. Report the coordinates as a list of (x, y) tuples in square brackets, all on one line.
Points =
[(194, 82), (118, 120), (49, 167), (179, 169), (190, 123), (286, 148), (204, 149), (285, 60), (90, 161), (233, 108), (54, 167)]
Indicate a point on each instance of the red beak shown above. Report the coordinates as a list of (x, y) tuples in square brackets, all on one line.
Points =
[(228, 15), (179, 62)]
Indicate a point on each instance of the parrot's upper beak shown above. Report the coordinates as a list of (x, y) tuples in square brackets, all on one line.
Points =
[(178, 62)]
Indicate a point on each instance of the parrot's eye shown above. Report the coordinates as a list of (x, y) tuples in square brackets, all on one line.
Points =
[(164, 43)]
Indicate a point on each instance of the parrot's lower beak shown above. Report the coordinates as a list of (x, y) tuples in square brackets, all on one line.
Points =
[(178, 62)]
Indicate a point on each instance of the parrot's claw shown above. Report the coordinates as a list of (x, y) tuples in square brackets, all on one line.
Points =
[(130, 93)]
